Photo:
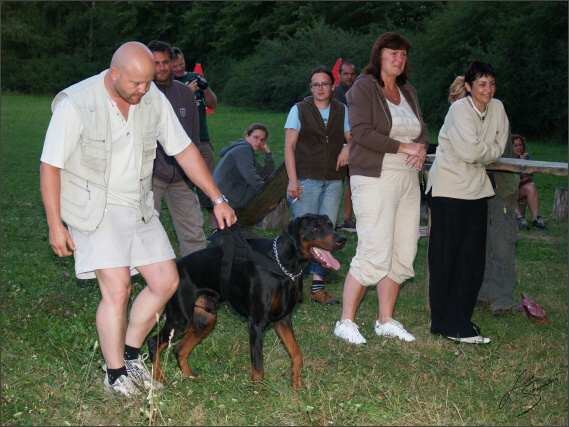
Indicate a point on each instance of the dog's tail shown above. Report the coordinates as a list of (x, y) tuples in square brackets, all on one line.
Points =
[(207, 299)]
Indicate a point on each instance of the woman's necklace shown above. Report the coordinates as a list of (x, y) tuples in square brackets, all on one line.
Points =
[(392, 96)]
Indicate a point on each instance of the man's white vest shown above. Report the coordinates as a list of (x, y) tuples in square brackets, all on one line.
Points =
[(85, 176)]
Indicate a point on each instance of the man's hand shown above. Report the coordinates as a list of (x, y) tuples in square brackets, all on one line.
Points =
[(225, 215), (60, 241), (193, 85)]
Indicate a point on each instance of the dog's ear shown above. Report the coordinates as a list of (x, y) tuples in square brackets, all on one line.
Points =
[(291, 229)]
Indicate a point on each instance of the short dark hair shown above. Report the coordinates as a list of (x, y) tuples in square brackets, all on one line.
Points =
[(158, 46), (389, 40), (176, 52), (342, 66), (321, 69), (478, 69)]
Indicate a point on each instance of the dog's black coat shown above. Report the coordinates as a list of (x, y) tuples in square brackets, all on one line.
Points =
[(263, 295)]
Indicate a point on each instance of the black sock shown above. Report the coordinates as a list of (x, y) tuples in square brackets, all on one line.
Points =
[(113, 374), (131, 353), (317, 285)]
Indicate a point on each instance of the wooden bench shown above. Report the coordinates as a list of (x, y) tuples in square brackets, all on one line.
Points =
[(269, 205)]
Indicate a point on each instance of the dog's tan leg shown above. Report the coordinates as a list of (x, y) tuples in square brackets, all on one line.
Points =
[(284, 329), (201, 324)]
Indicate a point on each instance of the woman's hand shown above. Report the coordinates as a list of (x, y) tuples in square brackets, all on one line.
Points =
[(416, 154), (416, 161), (343, 156), (294, 189)]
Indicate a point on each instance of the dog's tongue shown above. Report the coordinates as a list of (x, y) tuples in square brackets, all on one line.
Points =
[(326, 259)]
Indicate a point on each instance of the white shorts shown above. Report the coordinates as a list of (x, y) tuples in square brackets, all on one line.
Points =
[(121, 240)]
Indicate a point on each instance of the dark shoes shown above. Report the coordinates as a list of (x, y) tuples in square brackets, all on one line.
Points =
[(323, 297), (538, 223), (522, 223), (499, 312), (349, 225)]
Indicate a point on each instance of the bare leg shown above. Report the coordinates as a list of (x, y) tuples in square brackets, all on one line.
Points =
[(162, 281), (352, 296), (387, 292), (115, 287), (529, 191)]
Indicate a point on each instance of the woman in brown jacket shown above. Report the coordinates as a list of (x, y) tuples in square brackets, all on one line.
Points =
[(389, 145)]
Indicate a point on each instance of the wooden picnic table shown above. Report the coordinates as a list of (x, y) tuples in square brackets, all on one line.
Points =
[(501, 165), (518, 165)]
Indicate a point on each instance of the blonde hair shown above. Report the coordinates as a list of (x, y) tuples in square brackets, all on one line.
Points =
[(457, 90)]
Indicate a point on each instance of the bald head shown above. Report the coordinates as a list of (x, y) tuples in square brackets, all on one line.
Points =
[(133, 57), (131, 71)]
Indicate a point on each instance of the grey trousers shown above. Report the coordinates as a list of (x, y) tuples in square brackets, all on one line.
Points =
[(184, 206), (500, 273)]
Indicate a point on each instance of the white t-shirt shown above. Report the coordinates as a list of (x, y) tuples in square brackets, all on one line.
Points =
[(293, 121), (405, 128)]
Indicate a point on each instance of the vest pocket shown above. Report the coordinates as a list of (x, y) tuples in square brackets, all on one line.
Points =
[(93, 153), (82, 203)]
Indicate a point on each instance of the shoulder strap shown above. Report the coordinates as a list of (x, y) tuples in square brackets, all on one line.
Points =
[(234, 241)]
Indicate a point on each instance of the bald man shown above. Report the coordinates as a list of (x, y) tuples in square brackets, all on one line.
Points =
[(96, 179)]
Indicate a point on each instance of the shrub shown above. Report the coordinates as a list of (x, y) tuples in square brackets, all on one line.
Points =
[(276, 75)]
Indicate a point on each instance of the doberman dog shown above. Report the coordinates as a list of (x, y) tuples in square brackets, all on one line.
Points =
[(263, 291)]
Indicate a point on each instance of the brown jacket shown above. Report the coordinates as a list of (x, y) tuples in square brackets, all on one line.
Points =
[(370, 122)]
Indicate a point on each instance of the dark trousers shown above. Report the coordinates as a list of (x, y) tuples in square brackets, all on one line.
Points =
[(457, 248)]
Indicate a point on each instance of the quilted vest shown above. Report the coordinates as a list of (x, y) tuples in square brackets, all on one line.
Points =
[(318, 146), (85, 176)]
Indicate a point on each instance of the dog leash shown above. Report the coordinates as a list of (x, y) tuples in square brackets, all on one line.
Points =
[(234, 243)]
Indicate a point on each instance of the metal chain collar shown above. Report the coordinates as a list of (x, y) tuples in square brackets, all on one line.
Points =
[(285, 271)]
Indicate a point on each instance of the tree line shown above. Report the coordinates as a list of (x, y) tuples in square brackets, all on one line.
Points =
[(259, 54)]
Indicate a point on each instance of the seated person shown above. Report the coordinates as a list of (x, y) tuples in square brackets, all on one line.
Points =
[(528, 190), (239, 175)]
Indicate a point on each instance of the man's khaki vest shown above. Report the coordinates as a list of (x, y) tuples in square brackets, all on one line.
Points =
[(85, 176)]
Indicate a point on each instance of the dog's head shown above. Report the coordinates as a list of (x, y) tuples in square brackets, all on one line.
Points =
[(315, 238)]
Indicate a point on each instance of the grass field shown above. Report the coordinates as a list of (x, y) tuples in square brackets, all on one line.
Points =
[(51, 364)]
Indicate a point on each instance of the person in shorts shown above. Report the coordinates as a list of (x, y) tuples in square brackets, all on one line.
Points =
[(96, 178)]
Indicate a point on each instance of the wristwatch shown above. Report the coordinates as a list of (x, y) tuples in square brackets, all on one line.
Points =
[(220, 200)]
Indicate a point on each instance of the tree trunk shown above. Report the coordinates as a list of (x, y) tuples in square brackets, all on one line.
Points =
[(561, 204)]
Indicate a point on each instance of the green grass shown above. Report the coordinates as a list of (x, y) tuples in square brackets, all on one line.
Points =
[(51, 365)]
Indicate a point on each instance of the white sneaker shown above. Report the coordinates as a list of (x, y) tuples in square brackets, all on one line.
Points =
[(140, 375), (478, 339), (123, 385), (348, 331), (393, 329)]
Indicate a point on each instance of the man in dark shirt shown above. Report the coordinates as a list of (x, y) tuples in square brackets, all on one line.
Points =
[(205, 98), (347, 73), (168, 178)]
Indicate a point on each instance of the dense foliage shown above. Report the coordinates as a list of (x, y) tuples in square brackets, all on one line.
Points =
[(259, 54)]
